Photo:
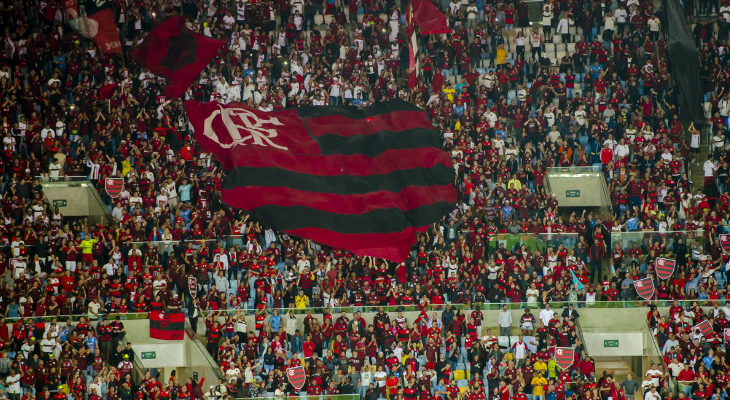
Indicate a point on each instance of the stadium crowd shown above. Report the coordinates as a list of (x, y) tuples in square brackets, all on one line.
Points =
[(588, 85)]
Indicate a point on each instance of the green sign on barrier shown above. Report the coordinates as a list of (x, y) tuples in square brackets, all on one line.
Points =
[(610, 343), (572, 193), (60, 203), (149, 355)]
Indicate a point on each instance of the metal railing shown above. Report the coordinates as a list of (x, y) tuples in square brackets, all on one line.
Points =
[(665, 239), (659, 359), (63, 178), (412, 308), (575, 169), (313, 397)]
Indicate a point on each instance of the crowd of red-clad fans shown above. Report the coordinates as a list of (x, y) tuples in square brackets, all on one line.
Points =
[(586, 84)]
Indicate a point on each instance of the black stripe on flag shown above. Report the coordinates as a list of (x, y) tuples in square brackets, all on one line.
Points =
[(373, 145), (376, 221), (339, 184)]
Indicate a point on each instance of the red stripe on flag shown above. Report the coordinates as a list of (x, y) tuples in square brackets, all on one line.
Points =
[(392, 246), (396, 121), (412, 197), (356, 164)]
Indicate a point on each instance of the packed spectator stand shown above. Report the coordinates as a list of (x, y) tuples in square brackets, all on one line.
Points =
[(586, 85)]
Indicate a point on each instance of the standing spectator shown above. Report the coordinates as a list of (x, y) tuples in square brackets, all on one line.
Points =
[(505, 321)]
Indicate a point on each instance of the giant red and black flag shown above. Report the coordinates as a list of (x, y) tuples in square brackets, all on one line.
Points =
[(177, 53), (167, 326), (96, 22), (361, 180)]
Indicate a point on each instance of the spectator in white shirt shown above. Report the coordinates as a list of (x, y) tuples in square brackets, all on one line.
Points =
[(546, 315), (505, 321)]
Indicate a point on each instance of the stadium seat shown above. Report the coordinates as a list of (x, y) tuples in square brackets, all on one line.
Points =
[(318, 19), (503, 342), (513, 340), (459, 375)]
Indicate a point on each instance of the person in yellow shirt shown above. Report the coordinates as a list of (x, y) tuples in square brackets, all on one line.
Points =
[(301, 300), (87, 246), (514, 183), (449, 92), (501, 58), (538, 386), (540, 366)]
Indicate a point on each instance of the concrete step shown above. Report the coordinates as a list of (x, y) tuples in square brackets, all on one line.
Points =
[(697, 174), (617, 364)]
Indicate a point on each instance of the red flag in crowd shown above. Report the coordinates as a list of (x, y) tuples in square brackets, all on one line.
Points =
[(177, 53), (428, 18), (665, 267), (564, 356), (307, 172), (645, 288), (98, 23), (725, 243), (167, 326), (704, 327), (413, 66), (726, 335), (297, 376)]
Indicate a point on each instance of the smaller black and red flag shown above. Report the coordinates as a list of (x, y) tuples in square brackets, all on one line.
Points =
[(564, 356), (645, 288), (177, 53), (726, 336), (725, 243), (167, 326), (98, 23), (665, 267), (704, 328), (114, 186), (193, 286), (297, 376)]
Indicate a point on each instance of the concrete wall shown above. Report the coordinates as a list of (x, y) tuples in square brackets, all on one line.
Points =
[(81, 199), (590, 188), (613, 319), (614, 344)]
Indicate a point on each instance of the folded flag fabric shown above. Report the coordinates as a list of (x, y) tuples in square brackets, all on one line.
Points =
[(360, 180), (177, 53), (97, 24), (167, 326), (428, 18)]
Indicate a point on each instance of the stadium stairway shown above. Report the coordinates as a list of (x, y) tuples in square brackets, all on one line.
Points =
[(617, 364), (695, 173)]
